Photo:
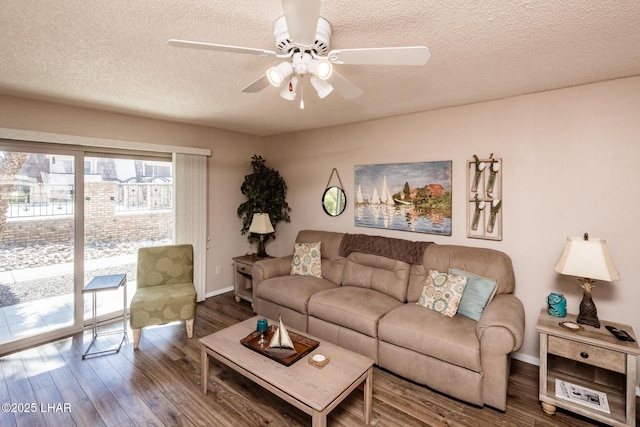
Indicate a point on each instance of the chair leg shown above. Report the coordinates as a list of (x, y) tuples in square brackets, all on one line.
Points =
[(189, 324), (136, 338)]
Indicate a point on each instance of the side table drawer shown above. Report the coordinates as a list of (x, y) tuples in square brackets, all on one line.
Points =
[(243, 268), (590, 354)]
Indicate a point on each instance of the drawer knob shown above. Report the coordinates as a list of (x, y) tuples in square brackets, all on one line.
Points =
[(584, 355)]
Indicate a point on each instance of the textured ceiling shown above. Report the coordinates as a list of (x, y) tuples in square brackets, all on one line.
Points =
[(113, 55)]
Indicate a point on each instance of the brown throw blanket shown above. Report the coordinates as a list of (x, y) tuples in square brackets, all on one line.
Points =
[(398, 249)]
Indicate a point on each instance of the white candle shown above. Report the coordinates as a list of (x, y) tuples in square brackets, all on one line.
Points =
[(319, 358)]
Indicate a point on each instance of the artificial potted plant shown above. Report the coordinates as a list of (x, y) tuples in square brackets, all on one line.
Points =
[(266, 192)]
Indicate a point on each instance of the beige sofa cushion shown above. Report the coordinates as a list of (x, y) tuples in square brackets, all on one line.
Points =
[(292, 291), (379, 273), (356, 308), (331, 241), (481, 261), (332, 262), (450, 339)]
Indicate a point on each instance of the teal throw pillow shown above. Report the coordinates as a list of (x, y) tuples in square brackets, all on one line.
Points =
[(477, 294)]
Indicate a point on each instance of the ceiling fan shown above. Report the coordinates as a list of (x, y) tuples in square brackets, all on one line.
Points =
[(302, 40)]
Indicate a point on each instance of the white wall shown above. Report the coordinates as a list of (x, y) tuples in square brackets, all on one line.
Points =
[(571, 164), (229, 162)]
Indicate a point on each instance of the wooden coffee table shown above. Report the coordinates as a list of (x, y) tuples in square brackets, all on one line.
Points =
[(315, 391)]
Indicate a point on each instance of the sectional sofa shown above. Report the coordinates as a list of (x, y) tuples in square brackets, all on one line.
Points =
[(364, 297)]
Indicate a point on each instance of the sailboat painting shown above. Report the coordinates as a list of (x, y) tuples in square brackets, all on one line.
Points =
[(404, 196)]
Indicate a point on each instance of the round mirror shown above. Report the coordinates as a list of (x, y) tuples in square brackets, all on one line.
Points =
[(334, 201)]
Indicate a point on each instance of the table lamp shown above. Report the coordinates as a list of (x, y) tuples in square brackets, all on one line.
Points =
[(261, 224), (588, 259)]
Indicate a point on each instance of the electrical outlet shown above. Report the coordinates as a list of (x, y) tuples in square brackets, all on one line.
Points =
[(217, 269)]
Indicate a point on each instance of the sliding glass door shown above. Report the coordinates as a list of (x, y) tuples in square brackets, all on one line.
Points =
[(117, 203), (128, 204), (38, 219)]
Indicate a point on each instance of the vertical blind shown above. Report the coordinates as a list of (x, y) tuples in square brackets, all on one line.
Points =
[(190, 185)]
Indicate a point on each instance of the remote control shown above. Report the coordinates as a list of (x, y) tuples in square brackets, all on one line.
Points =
[(620, 334)]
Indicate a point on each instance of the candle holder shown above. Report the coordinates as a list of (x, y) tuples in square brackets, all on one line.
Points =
[(262, 326)]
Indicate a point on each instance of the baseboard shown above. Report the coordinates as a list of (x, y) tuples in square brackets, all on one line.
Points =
[(526, 358), (218, 292), (536, 361)]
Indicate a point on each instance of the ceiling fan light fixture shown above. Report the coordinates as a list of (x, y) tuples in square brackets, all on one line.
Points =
[(323, 87), (288, 92), (304, 37), (276, 75), (323, 69)]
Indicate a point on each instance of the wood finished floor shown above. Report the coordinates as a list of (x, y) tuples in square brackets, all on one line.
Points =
[(160, 385)]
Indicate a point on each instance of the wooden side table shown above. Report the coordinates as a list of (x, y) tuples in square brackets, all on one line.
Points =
[(242, 286), (592, 358)]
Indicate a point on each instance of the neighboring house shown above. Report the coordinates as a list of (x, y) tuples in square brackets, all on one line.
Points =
[(41, 168)]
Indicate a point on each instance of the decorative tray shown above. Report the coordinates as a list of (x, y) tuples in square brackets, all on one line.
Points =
[(302, 345), (571, 326)]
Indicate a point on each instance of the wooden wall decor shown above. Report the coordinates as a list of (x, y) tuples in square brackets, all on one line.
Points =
[(484, 191)]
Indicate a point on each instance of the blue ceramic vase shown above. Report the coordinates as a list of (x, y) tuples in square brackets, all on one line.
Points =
[(557, 304)]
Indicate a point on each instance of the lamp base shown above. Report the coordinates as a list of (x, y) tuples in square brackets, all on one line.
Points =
[(588, 313), (262, 253)]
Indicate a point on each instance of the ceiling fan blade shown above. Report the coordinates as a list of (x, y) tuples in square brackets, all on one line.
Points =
[(258, 85), (220, 47), (302, 20), (344, 87), (410, 55)]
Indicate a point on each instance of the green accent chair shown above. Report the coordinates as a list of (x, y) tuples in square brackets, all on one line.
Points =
[(165, 291)]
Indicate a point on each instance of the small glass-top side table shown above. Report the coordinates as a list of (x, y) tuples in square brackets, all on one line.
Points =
[(106, 283)]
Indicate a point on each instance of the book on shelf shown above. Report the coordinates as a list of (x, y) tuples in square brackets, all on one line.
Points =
[(582, 396)]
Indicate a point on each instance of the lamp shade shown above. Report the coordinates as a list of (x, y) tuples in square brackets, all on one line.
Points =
[(587, 259), (261, 224)]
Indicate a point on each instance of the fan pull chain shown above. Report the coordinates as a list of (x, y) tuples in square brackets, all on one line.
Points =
[(301, 93)]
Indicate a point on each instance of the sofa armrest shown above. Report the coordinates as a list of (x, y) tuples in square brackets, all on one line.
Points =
[(271, 267), (507, 312)]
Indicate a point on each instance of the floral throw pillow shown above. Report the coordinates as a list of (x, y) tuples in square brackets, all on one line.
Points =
[(306, 259), (442, 292)]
